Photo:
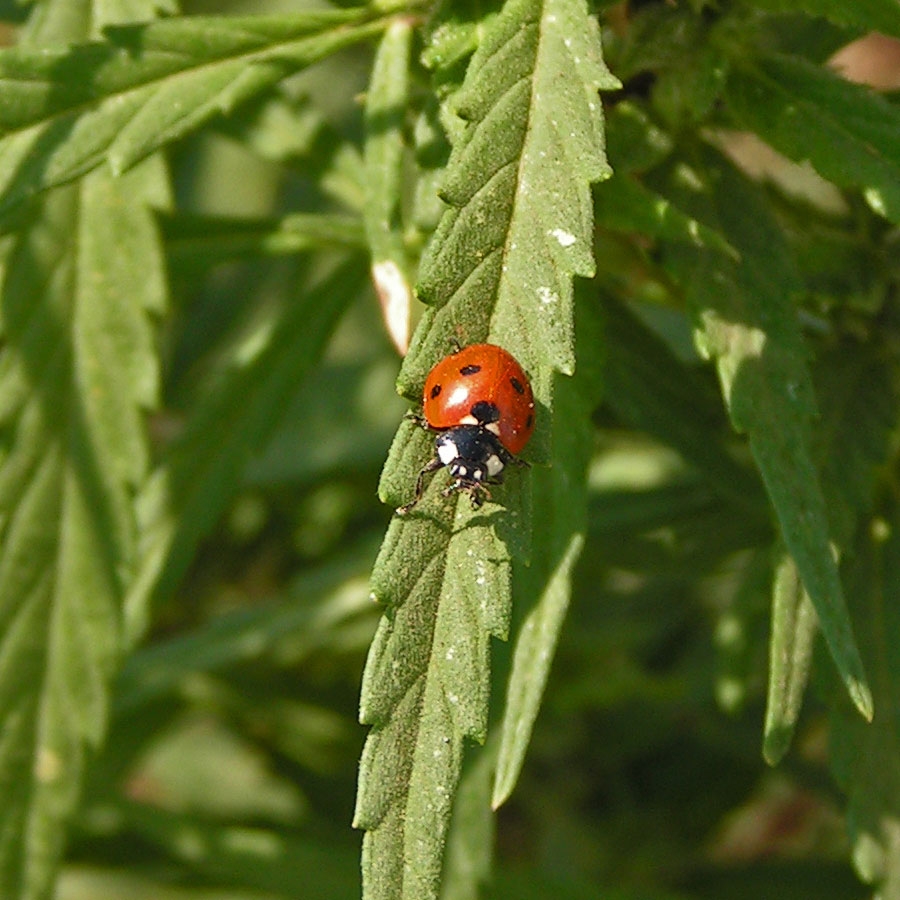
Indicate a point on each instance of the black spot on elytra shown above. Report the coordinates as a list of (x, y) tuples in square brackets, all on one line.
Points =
[(471, 369), (485, 412), (435, 391), (518, 387)]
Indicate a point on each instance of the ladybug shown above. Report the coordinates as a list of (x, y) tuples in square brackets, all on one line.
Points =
[(480, 403)]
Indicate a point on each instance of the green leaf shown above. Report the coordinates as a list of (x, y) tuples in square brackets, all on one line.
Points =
[(746, 323), (634, 142), (849, 133), (866, 15), (651, 389), (66, 110), (202, 470), (858, 392), (794, 627), (520, 218), (545, 586), (263, 860), (78, 372), (425, 688), (866, 756), (625, 204), (385, 156), (316, 605), (470, 844), (386, 103), (535, 650), (500, 267), (313, 444), (202, 241)]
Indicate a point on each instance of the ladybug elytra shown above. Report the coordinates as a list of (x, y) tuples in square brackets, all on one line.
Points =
[(480, 403)]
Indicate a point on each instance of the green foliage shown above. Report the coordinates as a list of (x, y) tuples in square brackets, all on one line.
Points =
[(516, 230), (695, 258), (849, 134)]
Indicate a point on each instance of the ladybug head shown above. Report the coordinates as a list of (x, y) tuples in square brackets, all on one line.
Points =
[(471, 453)]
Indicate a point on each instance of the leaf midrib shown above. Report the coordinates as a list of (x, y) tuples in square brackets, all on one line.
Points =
[(266, 54)]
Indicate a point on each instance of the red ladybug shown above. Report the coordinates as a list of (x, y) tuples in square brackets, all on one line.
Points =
[(480, 402)]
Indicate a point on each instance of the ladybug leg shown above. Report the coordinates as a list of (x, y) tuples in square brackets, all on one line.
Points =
[(479, 494), (478, 491), (432, 466)]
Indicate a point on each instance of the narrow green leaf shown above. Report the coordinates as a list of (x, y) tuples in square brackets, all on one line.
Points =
[(535, 649), (746, 323), (260, 860), (866, 756), (386, 102), (859, 394), (546, 584), (78, 373), (385, 155), (199, 240), (316, 605), (764, 385), (849, 133), (625, 204), (654, 391), (67, 110), (859, 397), (470, 844), (866, 15), (794, 627), (185, 496)]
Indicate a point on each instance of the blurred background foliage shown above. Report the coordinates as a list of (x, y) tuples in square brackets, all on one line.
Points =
[(230, 769)]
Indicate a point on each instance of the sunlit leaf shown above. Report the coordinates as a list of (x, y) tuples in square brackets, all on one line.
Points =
[(500, 266), (66, 110)]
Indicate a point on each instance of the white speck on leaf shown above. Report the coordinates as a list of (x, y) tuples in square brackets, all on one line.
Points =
[(546, 296), (565, 238)]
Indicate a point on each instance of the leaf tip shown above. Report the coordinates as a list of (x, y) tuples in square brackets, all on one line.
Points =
[(861, 696), (503, 788), (776, 743)]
